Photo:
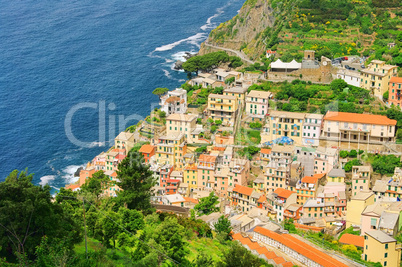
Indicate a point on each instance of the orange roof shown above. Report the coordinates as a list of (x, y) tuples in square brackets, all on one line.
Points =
[(358, 118), (173, 99), (235, 236), (147, 149), (356, 240), (287, 264), (283, 193), (308, 227), (217, 148), (120, 157), (243, 190), (191, 200), (262, 199), (309, 180), (279, 260), (319, 175), (396, 80), (72, 186), (191, 167), (301, 248), (207, 158), (266, 151), (114, 174)]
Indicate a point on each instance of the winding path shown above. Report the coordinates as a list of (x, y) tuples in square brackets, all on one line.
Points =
[(238, 53)]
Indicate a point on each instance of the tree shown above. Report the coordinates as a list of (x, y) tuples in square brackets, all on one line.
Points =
[(255, 125), (136, 182), (27, 213), (132, 220), (162, 114), (223, 227), (353, 153), (207, 205), (160, 91), (96, 184), (344, 154), (350, 164), (110, 228), (201, 149), (235, 62), (385, 96), (238, 256), (202, 260), (289, 225), (338, 85)]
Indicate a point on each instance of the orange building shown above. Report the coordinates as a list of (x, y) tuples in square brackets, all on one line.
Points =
[(147, 152), (86, 174), (394, 90), (206, 171), (307, 188)]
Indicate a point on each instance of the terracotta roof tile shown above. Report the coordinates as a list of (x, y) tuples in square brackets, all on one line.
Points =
[(235, 236), (358, 118), (309, 180), (147, 149), (396, 80), (287, 264), (262, 199), (207, 158), (356, 240), (279, 260), (191, 200), (243, 190), (283, 193), (266, 151), (217, 148), (301, 248)]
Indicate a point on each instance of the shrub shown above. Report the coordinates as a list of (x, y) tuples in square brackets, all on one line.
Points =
[(353, 153), (344, 154), (255, 125)]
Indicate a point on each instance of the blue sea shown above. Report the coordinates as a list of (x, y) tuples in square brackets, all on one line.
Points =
[(73, 72)]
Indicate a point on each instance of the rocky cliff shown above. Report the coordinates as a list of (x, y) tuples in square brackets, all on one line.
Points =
[(245, 31)]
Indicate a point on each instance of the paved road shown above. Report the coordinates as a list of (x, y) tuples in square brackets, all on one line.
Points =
[(238, 53)]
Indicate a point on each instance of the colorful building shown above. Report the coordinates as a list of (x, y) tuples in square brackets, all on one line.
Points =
[(171, 150), (125, 140), (257, 103), (382, 248), (360, 179), (174, 102), (190, 176), (288, 124), (147, 152), (358, 128), (223, 107), (356, 206), (312, 129), (394, 91), (377, 76), (206, 171), (176, 124)]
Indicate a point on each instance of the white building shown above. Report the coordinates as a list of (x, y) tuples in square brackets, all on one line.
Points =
[(311, 129), (349, 76), (174, 102)]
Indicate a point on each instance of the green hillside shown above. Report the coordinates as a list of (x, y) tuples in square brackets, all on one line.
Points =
[(331, 27)]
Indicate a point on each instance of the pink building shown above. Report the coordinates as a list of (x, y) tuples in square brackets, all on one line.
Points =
[(257, 103), (206, 170)]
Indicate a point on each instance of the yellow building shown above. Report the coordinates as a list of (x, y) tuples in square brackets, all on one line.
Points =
[(238, 92), (125, 140), (360, 178), (223, 107), (356, 206), (190, 176), (382, 248), (377, 76), (283, 123), (177, 124), (336, 176), (171, 150)]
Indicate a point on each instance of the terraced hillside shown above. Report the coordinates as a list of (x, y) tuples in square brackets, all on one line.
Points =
[(331, 27)]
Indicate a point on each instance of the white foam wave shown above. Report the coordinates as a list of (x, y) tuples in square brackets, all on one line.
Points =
[(167, 74), (95, 144), (68, 173), (192, 39), (44, 180), (179, 56)]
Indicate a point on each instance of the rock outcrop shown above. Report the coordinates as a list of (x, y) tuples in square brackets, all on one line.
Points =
[(245, 31)]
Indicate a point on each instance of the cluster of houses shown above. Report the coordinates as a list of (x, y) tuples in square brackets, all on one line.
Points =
[(292, 177)]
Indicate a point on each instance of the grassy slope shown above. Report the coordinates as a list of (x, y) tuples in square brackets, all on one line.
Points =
[(333, 27)]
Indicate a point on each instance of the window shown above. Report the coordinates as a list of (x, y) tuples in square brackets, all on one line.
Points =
[(386, 246), (385, 255)]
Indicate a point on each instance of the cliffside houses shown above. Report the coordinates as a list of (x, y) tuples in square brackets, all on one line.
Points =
[(257, 104), (174, 102), (377, 76), (223, 107)]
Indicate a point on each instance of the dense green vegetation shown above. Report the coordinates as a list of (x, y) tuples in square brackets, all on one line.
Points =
[(122, 231), (210, 61)]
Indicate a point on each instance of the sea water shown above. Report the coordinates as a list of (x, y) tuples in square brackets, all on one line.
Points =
[(60, 58)]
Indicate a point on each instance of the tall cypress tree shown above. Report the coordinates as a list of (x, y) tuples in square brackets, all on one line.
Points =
[(136, 182)]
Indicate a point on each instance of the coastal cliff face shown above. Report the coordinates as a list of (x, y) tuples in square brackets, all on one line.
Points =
[(244, 31)]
